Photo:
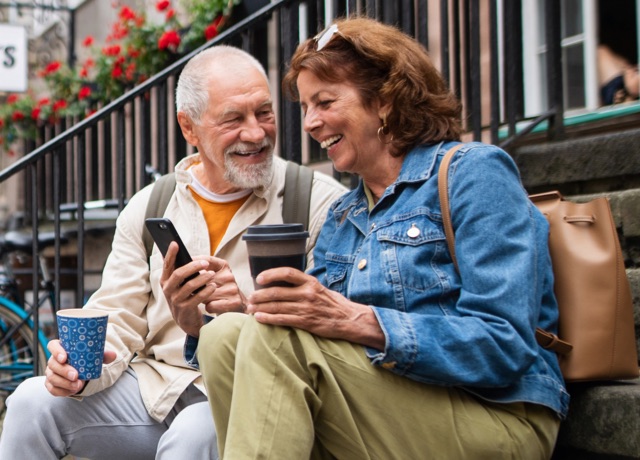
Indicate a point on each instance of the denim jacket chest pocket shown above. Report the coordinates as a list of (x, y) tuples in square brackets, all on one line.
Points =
[(411, 252), (338, 266)]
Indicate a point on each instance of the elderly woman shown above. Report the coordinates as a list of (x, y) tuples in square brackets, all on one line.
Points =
[(383, 349)]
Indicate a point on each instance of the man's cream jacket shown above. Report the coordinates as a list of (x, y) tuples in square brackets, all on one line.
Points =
[(141, 329)]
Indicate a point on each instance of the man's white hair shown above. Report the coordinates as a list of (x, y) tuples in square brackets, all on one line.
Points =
[(192, 93)]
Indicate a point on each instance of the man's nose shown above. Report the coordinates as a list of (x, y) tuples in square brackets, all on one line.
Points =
[(252, 131)]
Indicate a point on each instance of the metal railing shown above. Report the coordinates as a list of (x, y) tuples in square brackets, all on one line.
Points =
[(108, 156)]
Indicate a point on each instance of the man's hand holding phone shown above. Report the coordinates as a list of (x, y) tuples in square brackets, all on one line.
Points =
[(187, 283), (185, 288), (214, 286)]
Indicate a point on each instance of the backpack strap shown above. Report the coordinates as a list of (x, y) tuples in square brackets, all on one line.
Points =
[(297, 194), (160, 195), (544, 338), (443, 191)]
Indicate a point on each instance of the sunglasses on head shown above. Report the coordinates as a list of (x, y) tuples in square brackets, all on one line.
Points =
[(325, 36)]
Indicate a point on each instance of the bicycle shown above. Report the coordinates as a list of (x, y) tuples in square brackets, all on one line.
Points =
[(17, 344)]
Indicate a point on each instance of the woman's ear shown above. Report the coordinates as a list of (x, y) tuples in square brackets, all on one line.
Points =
[(187, 126), (384, 108)]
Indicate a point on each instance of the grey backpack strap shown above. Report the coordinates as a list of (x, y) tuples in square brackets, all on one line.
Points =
[(160, 195), (297, 194)]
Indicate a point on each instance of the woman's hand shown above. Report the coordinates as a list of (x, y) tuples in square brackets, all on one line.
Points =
[(310, 306), (213, 285)]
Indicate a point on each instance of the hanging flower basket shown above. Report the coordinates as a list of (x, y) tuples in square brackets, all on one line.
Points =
[(125, 60)]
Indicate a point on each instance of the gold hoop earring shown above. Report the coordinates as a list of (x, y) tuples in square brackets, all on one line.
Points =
[(384, 131)]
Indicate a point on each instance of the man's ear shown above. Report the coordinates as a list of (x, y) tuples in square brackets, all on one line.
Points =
[(187, 126)]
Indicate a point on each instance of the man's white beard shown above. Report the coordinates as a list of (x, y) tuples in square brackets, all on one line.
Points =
[(248, 176)]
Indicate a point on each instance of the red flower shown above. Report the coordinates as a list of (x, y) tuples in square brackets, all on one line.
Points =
[(83, 72), (17, 116), (89, 63), (218, 20), (112, 50), (1, 124), (162, 5), (90, 112), (43, 101), (116, 71), (130, 71), (84, 92), (169, 39), (12, 98), (127, 13), (59, 105), (133, 52), (170, 13), (52, 67), (35, 113), (210, 32), (88, 41)]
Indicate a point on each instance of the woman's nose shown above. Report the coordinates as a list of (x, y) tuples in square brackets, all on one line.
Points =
[(311, 121)]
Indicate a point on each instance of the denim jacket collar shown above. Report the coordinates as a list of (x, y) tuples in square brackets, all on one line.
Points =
[(413, 170)]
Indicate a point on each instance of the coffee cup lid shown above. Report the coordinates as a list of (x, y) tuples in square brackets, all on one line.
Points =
[(275, 232)]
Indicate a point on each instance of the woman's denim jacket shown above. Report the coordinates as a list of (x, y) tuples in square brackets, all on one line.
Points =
[(472, 329)]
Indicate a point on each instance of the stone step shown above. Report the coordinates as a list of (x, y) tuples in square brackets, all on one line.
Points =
[(589, 164), (603, 422), (634, 281), (604, 418)]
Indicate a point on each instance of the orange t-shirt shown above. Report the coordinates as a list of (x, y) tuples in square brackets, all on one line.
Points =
[(217, 216)]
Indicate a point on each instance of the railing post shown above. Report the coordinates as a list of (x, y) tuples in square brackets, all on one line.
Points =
[(444, 41), (35, 267), (163, 147), (554, 68), (291, 137), (144, 136), (408, 17), (57, 269), (474, 104), (121, 160), (422, 23), (494, 72), (510, 65), (80, 199)]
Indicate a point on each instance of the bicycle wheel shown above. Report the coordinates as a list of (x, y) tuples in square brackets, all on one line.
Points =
[(17, 348)]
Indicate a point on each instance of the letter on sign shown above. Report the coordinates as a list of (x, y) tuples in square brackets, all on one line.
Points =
[(13, 58)]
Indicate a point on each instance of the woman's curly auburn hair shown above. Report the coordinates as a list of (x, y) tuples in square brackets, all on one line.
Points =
[(388, 65)]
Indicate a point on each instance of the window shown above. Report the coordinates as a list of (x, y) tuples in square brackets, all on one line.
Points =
[(579, 41)]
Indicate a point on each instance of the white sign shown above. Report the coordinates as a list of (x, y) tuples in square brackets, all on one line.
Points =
[(13, 58)]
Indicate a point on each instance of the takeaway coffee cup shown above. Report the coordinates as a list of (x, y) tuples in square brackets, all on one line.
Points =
[(82, 335), (271, 246)]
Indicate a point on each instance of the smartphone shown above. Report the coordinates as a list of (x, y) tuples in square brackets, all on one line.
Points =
[(163, 233)]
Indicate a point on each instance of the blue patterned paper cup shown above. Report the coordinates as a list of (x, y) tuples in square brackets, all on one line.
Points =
[(82, 334)]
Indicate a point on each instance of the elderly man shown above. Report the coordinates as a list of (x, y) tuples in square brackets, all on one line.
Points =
[(149, 403)]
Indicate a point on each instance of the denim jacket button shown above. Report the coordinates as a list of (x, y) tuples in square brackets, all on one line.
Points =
[(413, 232), (362, 264)]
